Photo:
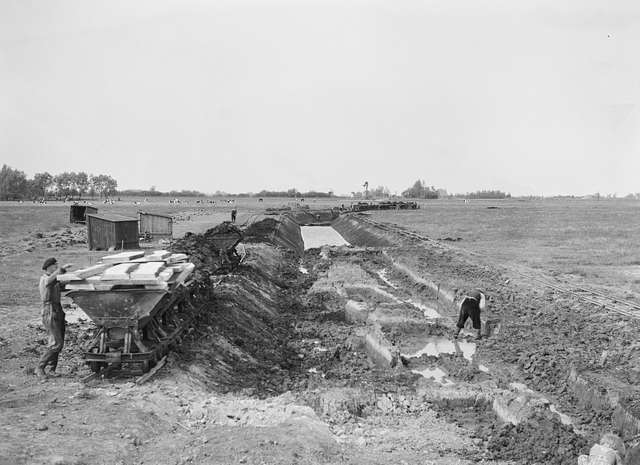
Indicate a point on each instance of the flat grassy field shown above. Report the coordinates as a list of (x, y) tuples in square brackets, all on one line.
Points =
[(18, 219), (592, 241)]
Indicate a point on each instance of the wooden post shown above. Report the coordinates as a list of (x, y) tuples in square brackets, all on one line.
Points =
[(127, 341)]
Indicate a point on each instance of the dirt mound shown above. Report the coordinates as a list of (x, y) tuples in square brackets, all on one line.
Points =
[(241, 338), (209, 251), (303, 217), (459, 368), (540, 440), (261, 231)]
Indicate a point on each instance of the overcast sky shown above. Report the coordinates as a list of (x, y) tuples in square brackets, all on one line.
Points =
[(531, 97)]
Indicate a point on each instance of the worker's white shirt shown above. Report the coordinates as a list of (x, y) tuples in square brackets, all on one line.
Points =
[(483, 302), (482, 305)]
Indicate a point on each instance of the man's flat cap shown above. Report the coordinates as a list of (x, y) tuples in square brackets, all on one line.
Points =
[(48, 262)]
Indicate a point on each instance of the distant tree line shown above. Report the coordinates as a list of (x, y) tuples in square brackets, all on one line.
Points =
[(380, 191), (15, 185), (490, 194), (290, 193), (420, 190), (153, 192)]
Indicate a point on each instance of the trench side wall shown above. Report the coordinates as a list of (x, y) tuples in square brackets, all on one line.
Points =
[(287, 234), (361, 234)]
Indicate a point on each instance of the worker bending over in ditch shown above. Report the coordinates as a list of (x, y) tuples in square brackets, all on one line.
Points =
[(52, 314), (470, 307)]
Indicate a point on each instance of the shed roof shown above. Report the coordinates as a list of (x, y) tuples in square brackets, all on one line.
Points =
[(112, 217), (155, 214)]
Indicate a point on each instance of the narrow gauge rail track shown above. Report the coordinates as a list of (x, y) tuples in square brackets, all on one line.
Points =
[(600, 299)]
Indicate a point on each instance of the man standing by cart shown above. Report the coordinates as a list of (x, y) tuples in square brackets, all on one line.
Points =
[(52, 314)]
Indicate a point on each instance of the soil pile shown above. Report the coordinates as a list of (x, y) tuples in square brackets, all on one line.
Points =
[(209, 251), (316, 216), (540, 440), (261, 231), (241, 339)]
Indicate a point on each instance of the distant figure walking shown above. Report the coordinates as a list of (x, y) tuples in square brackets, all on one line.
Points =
[(470, 307), (234, 213), (52, 314)]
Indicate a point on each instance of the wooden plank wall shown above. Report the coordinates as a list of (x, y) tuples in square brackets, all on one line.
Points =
[(126, 234), (156, 225), (103, 234)]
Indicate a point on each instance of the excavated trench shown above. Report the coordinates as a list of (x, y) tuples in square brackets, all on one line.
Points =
[(332, 343), (333, 316)]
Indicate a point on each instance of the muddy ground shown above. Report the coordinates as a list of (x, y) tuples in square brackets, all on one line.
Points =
[(316, 359)]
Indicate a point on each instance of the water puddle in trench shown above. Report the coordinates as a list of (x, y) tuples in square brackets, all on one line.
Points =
[(428, 312), (316, 236), (434, 373), (376, 289), (441, 345)]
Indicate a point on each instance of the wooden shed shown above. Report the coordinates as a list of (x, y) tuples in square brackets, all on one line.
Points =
[(111, 230), (78, 213), (155, 225)]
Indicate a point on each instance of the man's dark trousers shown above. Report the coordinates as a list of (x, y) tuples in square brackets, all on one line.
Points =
[(53, 321)]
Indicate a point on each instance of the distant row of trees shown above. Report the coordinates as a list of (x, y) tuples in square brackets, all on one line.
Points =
[(15, 185), (420, 190), (290, 193), (153, 192), (490, 194)]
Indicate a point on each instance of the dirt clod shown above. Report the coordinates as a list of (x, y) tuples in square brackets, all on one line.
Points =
[(540, 440)]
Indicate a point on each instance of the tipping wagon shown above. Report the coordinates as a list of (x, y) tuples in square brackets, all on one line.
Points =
[(135, 326), (138, 319)]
